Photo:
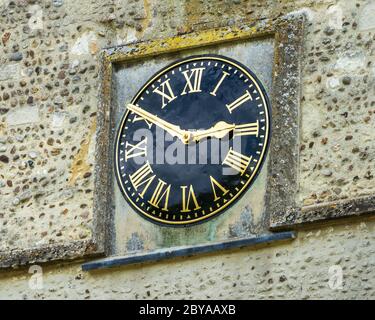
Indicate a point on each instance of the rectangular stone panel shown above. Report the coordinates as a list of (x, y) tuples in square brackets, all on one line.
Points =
[(132, 233)]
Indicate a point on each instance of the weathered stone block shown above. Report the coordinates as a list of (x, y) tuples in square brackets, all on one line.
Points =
[(23, 115)]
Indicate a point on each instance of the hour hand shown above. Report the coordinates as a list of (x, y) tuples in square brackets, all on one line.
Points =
[(174, 130), (218, 131)]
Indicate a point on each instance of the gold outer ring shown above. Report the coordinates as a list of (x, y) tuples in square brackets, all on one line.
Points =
[(140, 92)]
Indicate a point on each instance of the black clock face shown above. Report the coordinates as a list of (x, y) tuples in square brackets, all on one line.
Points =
[(192, 140)]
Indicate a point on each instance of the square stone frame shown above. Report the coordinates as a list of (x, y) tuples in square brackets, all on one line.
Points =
[(282, 182)]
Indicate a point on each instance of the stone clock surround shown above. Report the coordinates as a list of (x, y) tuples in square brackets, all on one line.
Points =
[(282, 170)]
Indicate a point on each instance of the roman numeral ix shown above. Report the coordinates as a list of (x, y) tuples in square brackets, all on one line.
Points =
[(140, 149)]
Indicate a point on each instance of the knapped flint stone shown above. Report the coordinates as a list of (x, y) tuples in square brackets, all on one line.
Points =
[(17, 56), (57, 3), (4, 158), (29, 114), (346, 80)]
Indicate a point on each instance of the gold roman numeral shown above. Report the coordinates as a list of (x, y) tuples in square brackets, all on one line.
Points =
[(138, 118), (219, 83), (248, 129), (186, 200), (215, 184), (193, 80), (142, 177), (140, 149), (237, 161), (236, 103), (166, 97), (160, 192)]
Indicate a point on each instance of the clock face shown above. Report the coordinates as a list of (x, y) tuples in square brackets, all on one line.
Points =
[(192, 140)]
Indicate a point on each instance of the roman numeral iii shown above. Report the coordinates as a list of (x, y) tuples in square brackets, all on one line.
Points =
[(160, 192), (241, 100), (165, 90), (248, 129), (193, 79), (237, 161), (142, 177), (140, 149), (186, 199)]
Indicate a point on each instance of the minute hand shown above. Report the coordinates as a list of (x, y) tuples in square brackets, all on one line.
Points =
[(219, 130), (174, 130)]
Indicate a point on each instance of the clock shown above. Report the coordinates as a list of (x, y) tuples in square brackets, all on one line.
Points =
[(192, 140)]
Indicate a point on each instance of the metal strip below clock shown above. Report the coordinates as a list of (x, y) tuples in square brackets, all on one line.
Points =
[(192, 140)]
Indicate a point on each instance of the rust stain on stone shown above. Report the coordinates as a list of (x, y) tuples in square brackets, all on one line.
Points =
[(194, 10), (2, 128), (5, 38), (80, 165), (93, 48), (146, 20)]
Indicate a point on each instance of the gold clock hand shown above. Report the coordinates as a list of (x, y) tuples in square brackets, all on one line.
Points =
[(174, 130), (219, 130)]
